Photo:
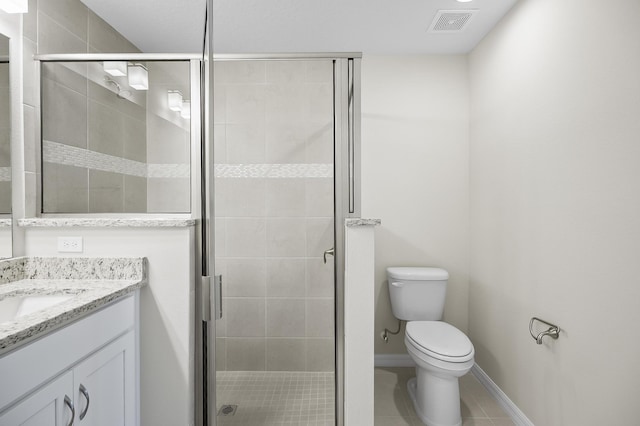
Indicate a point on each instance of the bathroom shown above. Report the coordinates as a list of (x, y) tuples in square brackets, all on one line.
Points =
[(511, 164)]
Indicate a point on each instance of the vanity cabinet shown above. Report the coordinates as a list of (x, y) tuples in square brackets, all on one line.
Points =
[(86, 372), (43, 407), (104, 385)]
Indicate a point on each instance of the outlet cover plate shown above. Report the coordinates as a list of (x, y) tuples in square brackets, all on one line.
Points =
[(70, 244)]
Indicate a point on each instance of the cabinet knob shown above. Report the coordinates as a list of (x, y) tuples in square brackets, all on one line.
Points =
[(84, 393)]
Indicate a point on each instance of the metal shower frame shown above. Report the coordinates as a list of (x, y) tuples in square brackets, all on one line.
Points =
[(347, 201)]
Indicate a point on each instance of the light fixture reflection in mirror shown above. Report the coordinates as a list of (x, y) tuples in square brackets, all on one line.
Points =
[(115, 68), (5, 150), (14, 6), (185, 112), (138, 77)]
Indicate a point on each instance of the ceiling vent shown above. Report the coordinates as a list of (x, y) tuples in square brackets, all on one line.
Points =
[(451, 21)]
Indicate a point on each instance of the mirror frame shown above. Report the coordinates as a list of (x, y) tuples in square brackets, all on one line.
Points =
[(6, 107), (10, 27)]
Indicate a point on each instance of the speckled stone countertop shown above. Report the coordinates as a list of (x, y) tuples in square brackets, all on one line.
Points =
[(105, 222), (352, 222), (92, 283)]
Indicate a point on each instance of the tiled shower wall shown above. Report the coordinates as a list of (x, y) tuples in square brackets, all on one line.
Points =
[(274, 214)]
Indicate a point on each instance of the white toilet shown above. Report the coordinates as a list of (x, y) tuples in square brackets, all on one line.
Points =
[(442, 352)]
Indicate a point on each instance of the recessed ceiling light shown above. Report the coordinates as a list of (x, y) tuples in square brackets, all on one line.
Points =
[(464, 1)]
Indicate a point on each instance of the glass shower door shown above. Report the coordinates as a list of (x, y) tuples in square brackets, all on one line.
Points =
[(274, 235)]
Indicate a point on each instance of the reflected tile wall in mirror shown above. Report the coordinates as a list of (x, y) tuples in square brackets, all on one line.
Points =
[(5, 150), (5, 129), (109, 148)]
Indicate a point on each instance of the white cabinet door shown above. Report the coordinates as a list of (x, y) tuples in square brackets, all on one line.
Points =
[(44, 407), (105, 385)]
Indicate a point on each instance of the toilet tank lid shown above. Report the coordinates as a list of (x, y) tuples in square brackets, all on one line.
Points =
[(417, 273)]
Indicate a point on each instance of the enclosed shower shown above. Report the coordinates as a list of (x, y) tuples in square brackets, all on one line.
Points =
[(274, 240), (280, 182), (281, 150)]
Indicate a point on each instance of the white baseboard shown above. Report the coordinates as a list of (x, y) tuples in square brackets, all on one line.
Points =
[(503, 400), (393, 360)]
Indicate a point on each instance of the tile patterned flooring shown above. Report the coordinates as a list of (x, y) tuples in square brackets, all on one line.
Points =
[(393, 407), (303, 398), (277, 398)]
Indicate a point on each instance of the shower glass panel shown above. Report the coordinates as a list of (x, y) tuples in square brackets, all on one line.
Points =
[(114, 139), (274, 221)]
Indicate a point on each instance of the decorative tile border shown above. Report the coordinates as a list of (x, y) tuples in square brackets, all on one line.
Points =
[(168, 171), (313, 170), (58, 153)]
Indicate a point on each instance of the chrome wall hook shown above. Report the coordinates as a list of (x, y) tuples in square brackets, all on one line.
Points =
[(553, 331)]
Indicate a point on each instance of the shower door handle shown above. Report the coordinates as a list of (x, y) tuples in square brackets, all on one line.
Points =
[(330, 252), (351, 135), (217, 283), (206, 298)]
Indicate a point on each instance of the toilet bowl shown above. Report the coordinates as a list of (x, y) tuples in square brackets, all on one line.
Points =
[(442, 353)]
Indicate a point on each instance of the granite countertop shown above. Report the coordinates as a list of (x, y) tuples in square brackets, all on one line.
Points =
[(90, 283), (355, 222), (105, 222)]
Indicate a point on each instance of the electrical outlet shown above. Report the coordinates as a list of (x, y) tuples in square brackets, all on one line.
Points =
[(70, 244)]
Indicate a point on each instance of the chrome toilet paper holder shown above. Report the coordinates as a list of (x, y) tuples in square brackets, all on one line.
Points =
[(553, 331)]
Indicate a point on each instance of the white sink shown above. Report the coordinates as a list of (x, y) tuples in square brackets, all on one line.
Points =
[(20, 304)]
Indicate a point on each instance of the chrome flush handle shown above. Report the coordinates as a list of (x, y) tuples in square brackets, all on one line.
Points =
[(330, 252)]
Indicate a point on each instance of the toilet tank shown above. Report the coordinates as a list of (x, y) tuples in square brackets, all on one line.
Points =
[(417, 294)]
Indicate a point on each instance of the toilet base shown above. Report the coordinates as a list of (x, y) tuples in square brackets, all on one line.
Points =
[(436, 399)]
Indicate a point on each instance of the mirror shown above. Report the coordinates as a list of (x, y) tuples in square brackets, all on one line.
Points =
[(5, 150), (118, 145)]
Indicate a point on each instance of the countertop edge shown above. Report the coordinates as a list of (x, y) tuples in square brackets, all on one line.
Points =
[(353, 222), (27, 334), (106, 222)]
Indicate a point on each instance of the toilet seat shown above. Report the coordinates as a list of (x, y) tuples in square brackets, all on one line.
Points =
[(439, 340)]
